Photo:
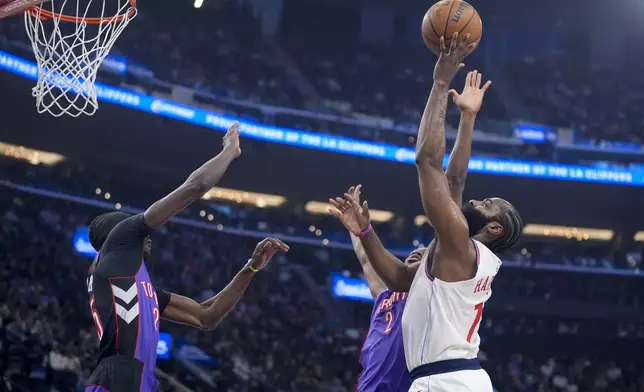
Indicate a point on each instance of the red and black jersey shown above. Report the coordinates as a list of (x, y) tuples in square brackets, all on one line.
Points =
[(126, 307)]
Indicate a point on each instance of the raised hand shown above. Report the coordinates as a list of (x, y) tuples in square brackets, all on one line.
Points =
[(355, 191), (349, 212), (231, 140), (451, 59), (265, 250), (471, 99)]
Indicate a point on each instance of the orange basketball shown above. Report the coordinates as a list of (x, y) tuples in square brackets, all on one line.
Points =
[(447, 17)]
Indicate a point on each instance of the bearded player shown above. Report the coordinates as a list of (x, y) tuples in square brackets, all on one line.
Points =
[(126, 306), (382, 356), (448, 289)]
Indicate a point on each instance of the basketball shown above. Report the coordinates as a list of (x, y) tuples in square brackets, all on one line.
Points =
[(448, 17)]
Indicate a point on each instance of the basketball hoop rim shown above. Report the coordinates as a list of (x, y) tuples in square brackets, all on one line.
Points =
[(44, 14)]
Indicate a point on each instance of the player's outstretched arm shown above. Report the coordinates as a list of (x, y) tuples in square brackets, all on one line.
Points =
[(209, 314), (376, 286), (444, 214), (396, 275), (469, 102), (197, 184)]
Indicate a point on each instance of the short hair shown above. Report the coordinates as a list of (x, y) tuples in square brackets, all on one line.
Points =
[(102, 225), (512, 230)]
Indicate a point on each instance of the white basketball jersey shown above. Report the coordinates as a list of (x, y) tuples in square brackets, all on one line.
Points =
[(441, 319)]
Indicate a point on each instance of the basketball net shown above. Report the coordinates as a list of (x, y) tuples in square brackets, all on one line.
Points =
[(70, 48)]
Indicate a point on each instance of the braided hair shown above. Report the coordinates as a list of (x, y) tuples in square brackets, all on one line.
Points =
[(512, 229), (102, 225)]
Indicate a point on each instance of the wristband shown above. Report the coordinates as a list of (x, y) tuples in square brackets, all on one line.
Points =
[(249, 264), (365, 231)]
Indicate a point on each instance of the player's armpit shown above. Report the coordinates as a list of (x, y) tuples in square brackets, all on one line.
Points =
[(449, 223)]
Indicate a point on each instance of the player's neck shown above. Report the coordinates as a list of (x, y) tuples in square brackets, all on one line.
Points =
[(483, 238)]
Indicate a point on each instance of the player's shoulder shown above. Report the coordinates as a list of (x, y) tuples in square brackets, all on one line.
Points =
[(384, 294), (133, 223), (130, 232), (484, 255), (388, 299)]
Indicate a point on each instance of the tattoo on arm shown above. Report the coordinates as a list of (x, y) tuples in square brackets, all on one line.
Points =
[(430, 145)]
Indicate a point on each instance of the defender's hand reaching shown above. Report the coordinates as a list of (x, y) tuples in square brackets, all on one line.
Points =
[(354, 217), (471, 99), (231, 140), (265, 250)]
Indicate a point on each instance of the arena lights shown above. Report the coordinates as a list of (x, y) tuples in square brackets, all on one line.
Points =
[(198, 3), (639, 236), (35, 157), (84, 244), (578, 233), (321, 208), (261, 200), (420, 220)]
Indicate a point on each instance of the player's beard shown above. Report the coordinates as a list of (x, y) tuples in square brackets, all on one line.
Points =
[(476, 220)]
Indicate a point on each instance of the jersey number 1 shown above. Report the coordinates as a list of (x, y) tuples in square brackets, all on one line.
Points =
[(477, 319)]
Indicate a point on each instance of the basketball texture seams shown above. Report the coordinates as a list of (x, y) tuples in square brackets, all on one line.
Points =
[(447, 17)]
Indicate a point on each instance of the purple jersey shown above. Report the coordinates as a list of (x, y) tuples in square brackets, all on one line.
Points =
[(383, 355), (148, 337), (125, 306)]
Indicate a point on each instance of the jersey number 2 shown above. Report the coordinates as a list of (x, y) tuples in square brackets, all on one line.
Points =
[(389, 318), (477, 319)]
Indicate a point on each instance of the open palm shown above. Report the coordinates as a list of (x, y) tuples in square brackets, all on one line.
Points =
[(471, 99), (349, 212)]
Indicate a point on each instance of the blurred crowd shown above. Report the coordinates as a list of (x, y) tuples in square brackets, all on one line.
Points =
[(400, 233), (288, 333), (348, 87), (602, 105), (219, 51)]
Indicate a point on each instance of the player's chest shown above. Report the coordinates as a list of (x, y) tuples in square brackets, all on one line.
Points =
[(127, 301), (388, 314)]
